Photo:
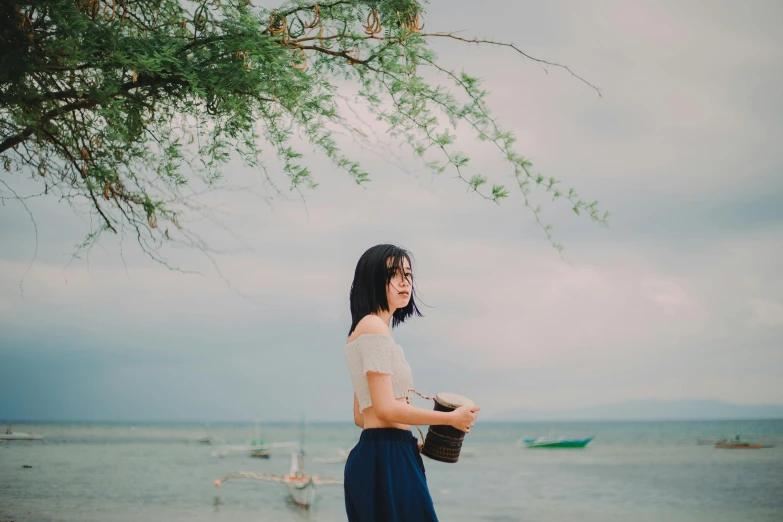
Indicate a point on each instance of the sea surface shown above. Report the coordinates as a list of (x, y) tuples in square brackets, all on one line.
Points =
[(632, 471)]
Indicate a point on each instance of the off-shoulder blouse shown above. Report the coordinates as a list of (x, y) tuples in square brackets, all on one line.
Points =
[(377, 353)]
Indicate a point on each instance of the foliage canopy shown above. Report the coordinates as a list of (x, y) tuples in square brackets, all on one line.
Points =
[(120, 103)]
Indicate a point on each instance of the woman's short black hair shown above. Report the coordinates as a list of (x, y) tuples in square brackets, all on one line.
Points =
[(374, 271)]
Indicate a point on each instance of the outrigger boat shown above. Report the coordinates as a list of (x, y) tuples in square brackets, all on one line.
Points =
[(301, 486), (256, 447), (209, 438), (737, 443), (9, 434), (556, 442)]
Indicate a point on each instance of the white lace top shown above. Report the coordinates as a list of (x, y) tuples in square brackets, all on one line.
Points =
[(377, 353)]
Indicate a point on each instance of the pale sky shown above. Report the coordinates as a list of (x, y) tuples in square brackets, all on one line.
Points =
[(680, 298)]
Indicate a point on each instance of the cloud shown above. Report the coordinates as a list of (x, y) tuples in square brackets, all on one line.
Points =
[(682, 148), (765, 312), (521, 308)]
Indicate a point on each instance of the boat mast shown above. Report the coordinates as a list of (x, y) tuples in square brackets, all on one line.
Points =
[(302, 445)]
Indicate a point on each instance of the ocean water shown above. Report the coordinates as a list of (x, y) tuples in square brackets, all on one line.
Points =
[(640, 471)]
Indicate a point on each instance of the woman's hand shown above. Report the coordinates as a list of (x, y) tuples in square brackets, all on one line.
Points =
[(464, 417)]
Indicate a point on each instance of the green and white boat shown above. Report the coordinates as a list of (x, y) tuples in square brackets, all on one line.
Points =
[(557, 442)]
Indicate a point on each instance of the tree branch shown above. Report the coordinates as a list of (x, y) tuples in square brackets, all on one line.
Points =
[(35, 228), (517, 49), (59, 111)]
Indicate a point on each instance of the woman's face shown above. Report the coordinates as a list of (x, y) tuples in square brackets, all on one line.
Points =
[(398, 292)]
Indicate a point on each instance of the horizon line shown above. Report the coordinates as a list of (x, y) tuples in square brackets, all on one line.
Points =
[(324, 421)]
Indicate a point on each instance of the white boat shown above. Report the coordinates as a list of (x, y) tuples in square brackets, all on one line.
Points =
[(10, 434), (301, 486), (255, 450), (257, 447), (207, 438)]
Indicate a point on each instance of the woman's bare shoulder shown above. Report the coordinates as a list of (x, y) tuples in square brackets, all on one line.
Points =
[(370, 324)]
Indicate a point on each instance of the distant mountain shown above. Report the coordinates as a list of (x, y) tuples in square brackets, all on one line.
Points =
[(649, 409)]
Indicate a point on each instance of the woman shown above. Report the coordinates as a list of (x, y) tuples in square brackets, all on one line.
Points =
[(384, 473)]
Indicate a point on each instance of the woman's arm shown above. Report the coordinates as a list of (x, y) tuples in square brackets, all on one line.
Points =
[(358, 418), (388, 409)]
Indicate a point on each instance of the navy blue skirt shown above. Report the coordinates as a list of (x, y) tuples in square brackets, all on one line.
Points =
[(384, 479)]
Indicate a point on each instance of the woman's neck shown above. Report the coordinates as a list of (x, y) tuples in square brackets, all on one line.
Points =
[(386, 317)]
